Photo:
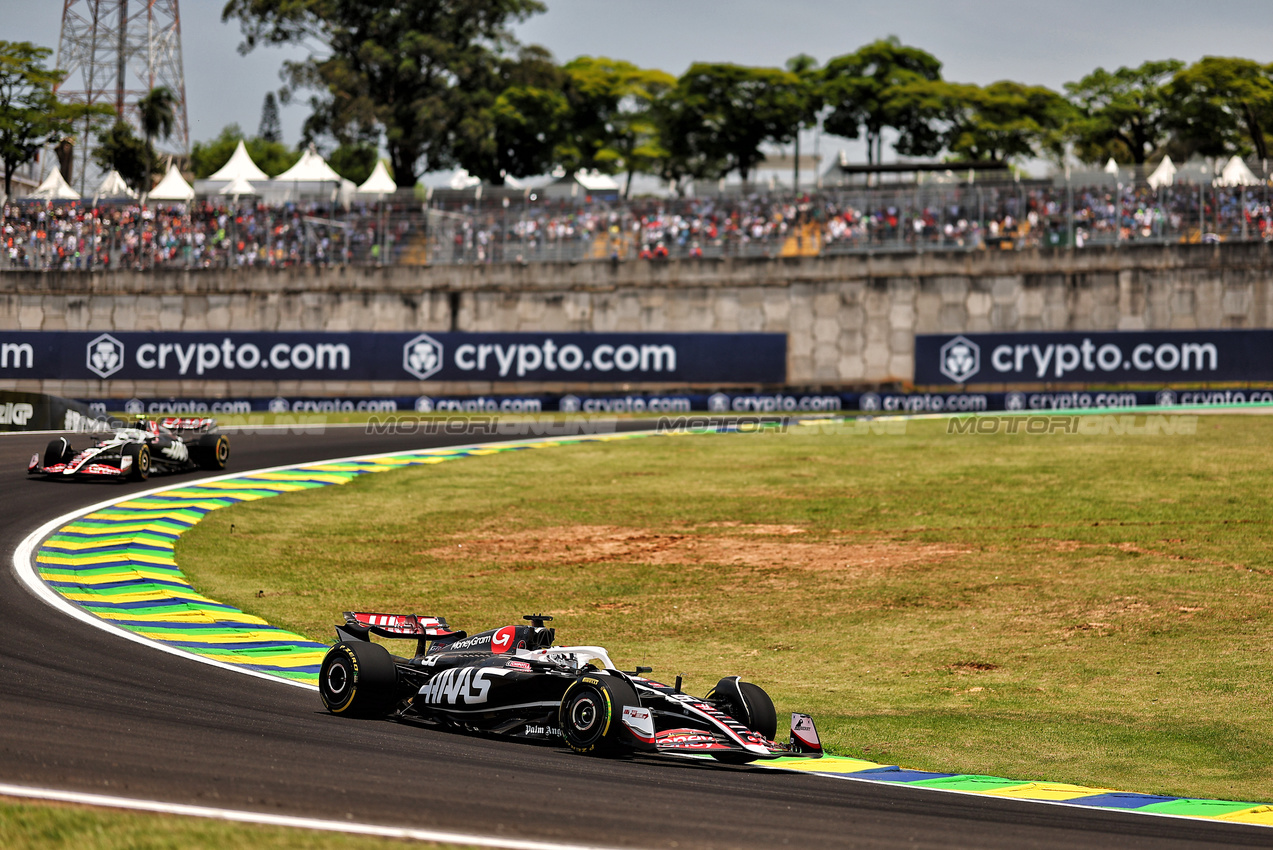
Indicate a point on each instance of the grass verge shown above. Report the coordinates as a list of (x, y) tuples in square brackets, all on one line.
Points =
[(48, 826), (1087, 609)]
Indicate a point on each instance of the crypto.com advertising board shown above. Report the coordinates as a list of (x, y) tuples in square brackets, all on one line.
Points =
[(559, 357), (1095, 357)]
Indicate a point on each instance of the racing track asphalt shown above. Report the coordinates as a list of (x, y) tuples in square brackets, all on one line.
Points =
[(84, 711)]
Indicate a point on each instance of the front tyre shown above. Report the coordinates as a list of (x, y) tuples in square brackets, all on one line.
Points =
[(358, 680), (750, 706), (58, 451), (591, 714), (140, 453)]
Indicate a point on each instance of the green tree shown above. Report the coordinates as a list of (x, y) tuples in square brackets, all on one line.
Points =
[(876, 88), (611, 126), (720, 114), (398, 68), (157, 111), (514, 125), (30, 114), (354, 161), (271, 129), (805, 69), (1123, 114), (271, 157), (1223, 105), (1005, 121), (120, 149)]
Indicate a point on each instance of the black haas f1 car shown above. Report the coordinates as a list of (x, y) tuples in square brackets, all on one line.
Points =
[(170, 445), (515, 682)]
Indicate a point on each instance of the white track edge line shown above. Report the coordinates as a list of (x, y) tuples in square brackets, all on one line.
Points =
[(292, 821), (28, 573)]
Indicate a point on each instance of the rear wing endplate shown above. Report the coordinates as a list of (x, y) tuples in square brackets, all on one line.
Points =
[(359, 625)]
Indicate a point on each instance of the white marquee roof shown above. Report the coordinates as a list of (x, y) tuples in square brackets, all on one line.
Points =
[(310, 168), (239, 167), (1163, 175), (238, 186), (55, 188), (379, 183), (113, 186), (1236, 173), (172, 188)]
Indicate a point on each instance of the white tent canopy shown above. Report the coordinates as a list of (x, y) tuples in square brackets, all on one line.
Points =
[(379, 183), (1163, 175), (172, 188), (55, 188), (1111, 167), (311, 177), (1236, 173), (461, 179), (113, 186), (310, 168), (595, 181), (240, 167), (237, 187)]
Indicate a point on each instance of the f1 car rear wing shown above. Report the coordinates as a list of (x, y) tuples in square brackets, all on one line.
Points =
[(175, 423), (358, 625)]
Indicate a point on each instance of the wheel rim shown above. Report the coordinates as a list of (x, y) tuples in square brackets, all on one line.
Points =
[(143, 461), (584, 714), (337, 679), (223, 449)]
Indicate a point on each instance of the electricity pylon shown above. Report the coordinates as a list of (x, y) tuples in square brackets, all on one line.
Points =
[(116, 52)]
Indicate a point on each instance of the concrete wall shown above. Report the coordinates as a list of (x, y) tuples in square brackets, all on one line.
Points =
[(850, 320)]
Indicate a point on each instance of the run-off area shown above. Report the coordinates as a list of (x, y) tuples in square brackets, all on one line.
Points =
[(1060, 607)]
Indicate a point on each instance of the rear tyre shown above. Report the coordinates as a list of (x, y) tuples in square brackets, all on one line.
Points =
[(140, 453), (58, 451), (358, 680), (591, 714), (750, 706), (211, 452)]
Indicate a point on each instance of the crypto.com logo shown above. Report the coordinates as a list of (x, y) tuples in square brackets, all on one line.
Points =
[(960, 359), (422, 356), (105, 356)]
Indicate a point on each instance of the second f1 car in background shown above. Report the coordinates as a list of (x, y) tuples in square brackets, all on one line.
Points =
[(514, 682)]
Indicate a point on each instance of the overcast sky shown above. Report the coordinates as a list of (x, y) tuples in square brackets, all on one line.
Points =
[(979, 41)]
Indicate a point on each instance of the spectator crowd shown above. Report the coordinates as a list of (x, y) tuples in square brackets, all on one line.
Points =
[(1028, 214)]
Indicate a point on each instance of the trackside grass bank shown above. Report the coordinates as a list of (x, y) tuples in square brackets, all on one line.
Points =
[(1078, 607), (48, 826)]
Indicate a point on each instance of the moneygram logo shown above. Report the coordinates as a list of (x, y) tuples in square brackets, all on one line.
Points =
[(960, 359), (422, 356), (105, 356)]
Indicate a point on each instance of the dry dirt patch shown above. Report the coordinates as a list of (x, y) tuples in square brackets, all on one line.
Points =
[(734, 544)]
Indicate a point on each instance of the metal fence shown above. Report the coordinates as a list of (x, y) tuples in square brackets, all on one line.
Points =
[(526, 229)]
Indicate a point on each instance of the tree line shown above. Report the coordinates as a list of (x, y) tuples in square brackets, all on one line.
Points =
[(440, 86)]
